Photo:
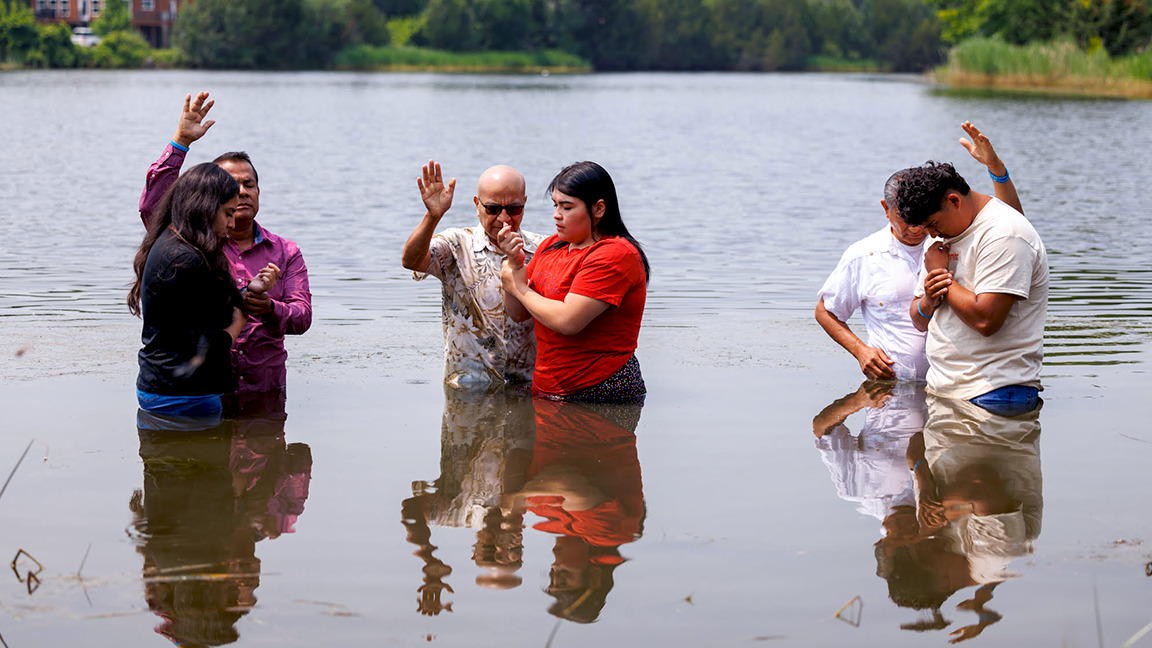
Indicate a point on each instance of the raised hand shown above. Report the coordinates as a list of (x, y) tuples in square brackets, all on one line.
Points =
[(980, 148), (192, 126), (436, 195)]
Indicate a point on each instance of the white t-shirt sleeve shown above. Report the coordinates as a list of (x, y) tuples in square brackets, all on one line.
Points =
[(1004, 266)]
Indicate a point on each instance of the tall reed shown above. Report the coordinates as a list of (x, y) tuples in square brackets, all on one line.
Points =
[(1058, 66)]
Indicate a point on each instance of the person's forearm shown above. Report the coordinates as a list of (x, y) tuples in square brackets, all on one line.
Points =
[(567, 317), (515, 309), (1006, 191), (415, 254), (838, 330), (161, 175), (984, 313), (921, 311), (836, 413), (292, 315)]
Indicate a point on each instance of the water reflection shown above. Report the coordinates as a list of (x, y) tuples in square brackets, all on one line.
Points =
[(211, 492), (978, 507), (870, 469), (485, 448), (505, 455), (585, 481)]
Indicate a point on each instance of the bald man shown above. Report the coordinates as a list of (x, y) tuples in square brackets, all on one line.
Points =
[(482, 345)]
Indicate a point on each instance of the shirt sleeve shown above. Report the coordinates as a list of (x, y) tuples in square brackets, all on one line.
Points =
[(293, 315), (441, 261), (841, 291), (161, 175), (1004, 266), (609, 273)]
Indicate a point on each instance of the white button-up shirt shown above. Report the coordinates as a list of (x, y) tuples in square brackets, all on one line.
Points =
[(879, 275), (482, 345)]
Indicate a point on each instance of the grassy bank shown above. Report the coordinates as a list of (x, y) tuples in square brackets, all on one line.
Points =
[(1058, 67), (366, 57), (832, 64)]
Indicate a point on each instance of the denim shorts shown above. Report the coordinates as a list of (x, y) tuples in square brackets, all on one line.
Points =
[(1009, 401)]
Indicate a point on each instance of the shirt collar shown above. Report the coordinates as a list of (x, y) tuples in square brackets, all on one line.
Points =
[(259, 231)]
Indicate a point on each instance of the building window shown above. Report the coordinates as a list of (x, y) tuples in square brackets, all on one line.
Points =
[(147, 5), (95, 7), (64, 7)]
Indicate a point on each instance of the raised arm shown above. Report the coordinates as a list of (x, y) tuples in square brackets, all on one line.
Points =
[(981, 149), (437, 198), (163, 172)]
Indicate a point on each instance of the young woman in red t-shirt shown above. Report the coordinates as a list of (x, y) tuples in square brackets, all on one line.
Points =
[(585, 287)]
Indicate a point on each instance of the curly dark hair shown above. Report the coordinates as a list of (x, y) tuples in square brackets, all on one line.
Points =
[(922, 189)]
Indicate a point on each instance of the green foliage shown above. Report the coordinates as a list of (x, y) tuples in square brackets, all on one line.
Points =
[(398, 8), (114, 17), (1055, 61), (1120, 26), (56, 48), (365, 57), (122, 49), (450, 25), (18, 33), (401, 30), (364, 23), (258, 34)]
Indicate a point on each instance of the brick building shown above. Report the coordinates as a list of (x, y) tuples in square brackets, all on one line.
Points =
[(154, 18)]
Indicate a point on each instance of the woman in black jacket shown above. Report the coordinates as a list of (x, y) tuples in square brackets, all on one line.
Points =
[(187, 297)]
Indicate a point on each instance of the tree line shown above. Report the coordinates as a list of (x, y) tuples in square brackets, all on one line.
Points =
[(755, 35), (900, 35)]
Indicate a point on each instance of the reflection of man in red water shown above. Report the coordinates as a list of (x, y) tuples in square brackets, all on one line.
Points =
[(585, 481)]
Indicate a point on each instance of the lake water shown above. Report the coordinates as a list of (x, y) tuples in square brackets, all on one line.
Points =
[(373, 504)]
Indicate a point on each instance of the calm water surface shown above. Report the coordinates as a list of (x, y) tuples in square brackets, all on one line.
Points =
[(383, 510)]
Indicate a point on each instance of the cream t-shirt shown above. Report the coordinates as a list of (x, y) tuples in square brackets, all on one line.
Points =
[(1000, 252)]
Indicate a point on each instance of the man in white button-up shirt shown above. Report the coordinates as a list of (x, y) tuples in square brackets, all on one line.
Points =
[(482, 345), (878, 275)]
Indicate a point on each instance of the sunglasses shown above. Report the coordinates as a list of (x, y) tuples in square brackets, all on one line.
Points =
[(494, 209)]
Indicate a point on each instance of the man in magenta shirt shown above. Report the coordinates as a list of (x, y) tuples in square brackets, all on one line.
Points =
[(258, 355)]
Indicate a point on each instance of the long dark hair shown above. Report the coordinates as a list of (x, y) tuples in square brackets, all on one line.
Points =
[(188, 208), (589, 182)]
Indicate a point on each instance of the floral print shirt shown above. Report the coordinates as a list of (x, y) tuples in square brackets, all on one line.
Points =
[(482, 345)]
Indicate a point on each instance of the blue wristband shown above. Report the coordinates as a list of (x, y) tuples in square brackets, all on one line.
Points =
[(917, 465), (920, 311), (999, 179), (185, 149)]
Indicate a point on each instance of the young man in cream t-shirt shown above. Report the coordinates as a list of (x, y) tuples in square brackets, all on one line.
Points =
[(984, 295)]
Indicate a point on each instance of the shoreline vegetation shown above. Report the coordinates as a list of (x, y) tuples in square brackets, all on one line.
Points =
[(1101, 48), (1055, 68), (407, 58)]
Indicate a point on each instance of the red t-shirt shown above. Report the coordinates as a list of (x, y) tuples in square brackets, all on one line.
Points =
[(609, 270), (569, 434)]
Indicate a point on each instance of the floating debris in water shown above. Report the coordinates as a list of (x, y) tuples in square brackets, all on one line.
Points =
[(31, 578), (854, 609)]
